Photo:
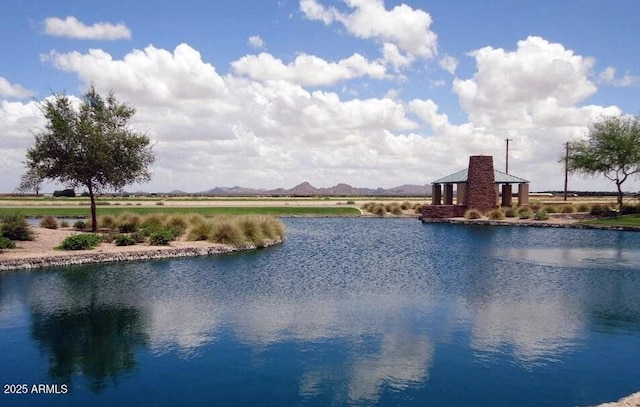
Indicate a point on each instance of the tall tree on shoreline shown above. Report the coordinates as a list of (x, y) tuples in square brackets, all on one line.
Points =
[(30, 181), (611, 149), (91, 145)]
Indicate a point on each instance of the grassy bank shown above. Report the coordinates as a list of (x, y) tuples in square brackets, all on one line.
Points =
[(206, 211), (625, 220)]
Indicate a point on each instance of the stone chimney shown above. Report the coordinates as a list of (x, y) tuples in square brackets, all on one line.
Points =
[(481, 186)]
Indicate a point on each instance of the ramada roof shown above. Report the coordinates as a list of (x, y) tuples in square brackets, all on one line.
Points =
[(461, 177)]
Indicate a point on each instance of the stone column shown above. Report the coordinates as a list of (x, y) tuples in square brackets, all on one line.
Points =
[(436, 194), (523, 194), (506, 195), (461, 193), (481, 187), (448, 194)]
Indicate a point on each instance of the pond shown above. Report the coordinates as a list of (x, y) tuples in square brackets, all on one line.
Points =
[(346, 312)]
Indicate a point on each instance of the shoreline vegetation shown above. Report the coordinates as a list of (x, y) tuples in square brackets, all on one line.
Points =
[(131, 237)]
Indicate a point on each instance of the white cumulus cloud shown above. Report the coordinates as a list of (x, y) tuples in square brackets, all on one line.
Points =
[(307, 69), (408, 29), (10, 90), (71, 27), (256, 42)]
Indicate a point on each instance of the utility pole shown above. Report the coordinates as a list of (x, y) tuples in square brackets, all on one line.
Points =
[(507, 155), (566, 169)]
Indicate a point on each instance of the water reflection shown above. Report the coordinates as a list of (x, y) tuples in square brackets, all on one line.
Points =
[(356, 315), (98, 342)]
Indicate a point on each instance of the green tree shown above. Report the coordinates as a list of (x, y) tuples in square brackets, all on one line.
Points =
[(91, 145), (611, 149), (30, 181)]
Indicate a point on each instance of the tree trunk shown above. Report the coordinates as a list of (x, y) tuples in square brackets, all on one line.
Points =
[(620, 195), (94, 218)]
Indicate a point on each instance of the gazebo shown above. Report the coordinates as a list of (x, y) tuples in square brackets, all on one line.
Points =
[(477, 187)]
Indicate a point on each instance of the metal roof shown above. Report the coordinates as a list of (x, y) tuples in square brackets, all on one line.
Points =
[(499, 176)]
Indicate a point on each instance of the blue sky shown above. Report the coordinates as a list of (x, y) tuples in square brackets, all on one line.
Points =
[(368, 92)]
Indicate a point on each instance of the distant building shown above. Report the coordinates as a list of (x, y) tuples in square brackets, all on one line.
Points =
[(477, 187)]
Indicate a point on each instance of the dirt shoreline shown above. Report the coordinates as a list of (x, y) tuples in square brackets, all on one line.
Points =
[(41, 252)]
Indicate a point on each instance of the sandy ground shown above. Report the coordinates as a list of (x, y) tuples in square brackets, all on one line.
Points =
[(630, 401), (47, 239)]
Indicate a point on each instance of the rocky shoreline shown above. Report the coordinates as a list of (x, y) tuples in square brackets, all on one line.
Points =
[(526, 223), (147, 253)]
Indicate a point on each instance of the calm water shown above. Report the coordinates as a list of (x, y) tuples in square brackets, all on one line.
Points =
[(345, 312)]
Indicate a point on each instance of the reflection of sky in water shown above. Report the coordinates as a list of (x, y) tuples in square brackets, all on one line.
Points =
[(368, 308), (621, 258)]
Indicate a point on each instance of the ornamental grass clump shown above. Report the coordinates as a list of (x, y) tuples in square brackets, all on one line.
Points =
[(107, 222), (473, 214), (541, 215), (550, 209), (524, 213), (378, 210), (569, 208), (496, 214), (49, 222), (79, 225), (252, 229), (124, 240), (405, 205), (128, 222), (200, 231), (583, 207), (226, 231), (83, 241), (510, 213)]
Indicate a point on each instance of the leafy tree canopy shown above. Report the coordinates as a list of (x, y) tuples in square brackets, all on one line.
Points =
[(611, 149), (90, 145)]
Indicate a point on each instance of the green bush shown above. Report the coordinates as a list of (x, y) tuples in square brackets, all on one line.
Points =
[(161, 237), (79, 225), (124, 240), (49, 222), (568, 209), (496, 214), (551, 209), (601, 210), (84, 241), (525, 214), (107, 237), (473, 214), (139, 237), (542, 214), (630, 209), (15, 227), (6, 243), (128, 222), (177, 224)]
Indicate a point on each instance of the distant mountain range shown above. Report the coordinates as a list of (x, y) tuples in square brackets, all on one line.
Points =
[(306, 189)]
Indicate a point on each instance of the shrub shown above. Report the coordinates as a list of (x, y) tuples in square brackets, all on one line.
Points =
[(79, 225), (196, 219), (177, 224), (64, 224), (84, 241), (49, 222), (139, 237), (15, 227), (107, 222), (200, 231), (251, 229), (417, 208), (396, 210), (510, 213), (151, 223), (388, 207), (496, 214), (568, 209), (351, 202), (542, 214), (405, 205), (227, 232), (128, 222), (272, 227), (601, 210), (124, 240), (378, 209), (524, 214), (583, 207), (630, 209), (160, 237), (472, 214), (6, 243), (551, 209), (159, 203)]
